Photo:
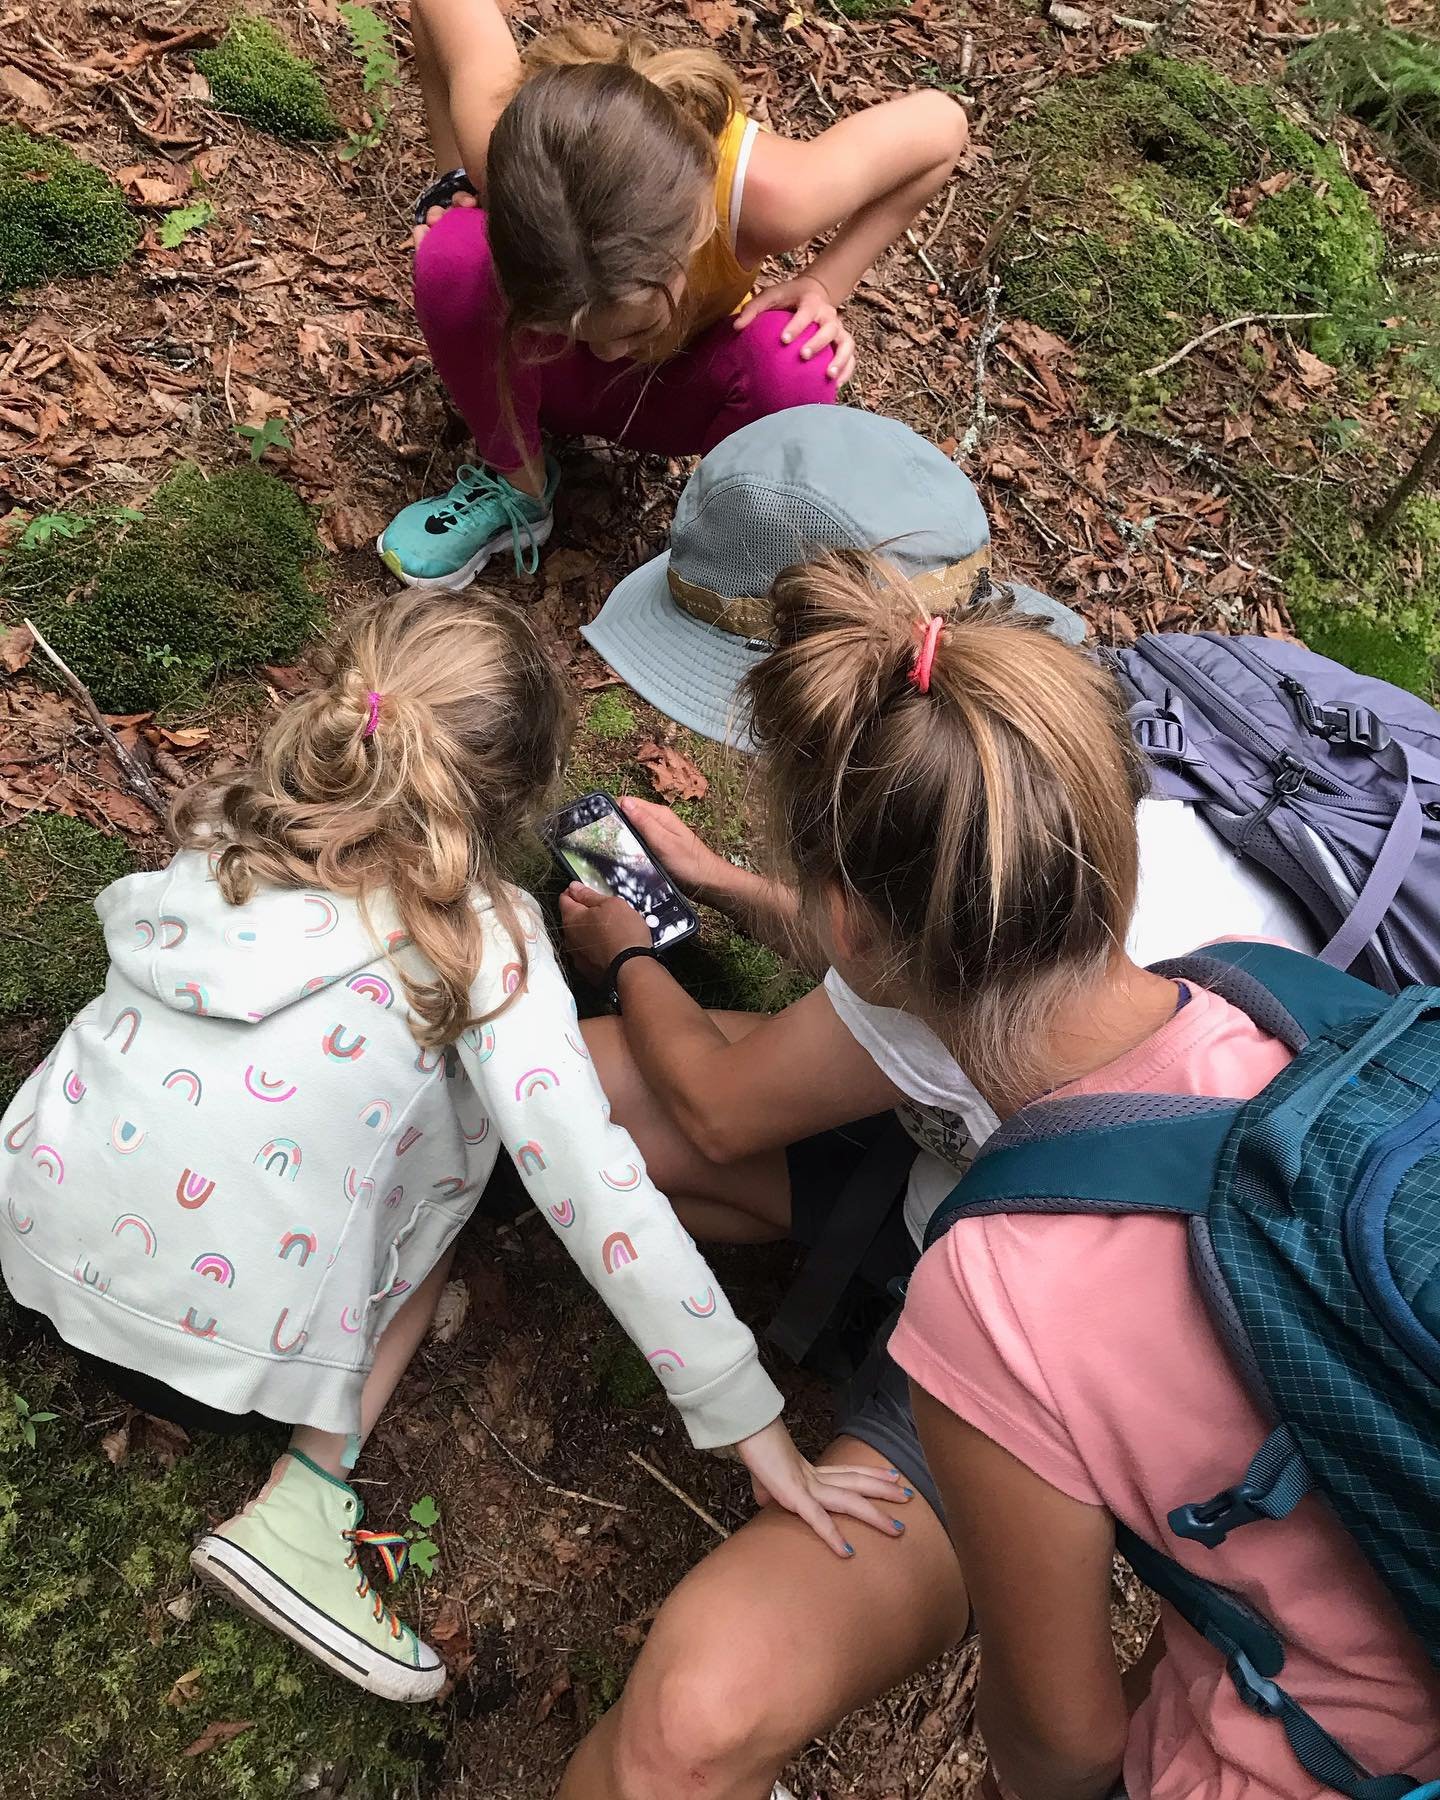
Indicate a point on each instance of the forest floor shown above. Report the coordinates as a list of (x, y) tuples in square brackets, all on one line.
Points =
[(527, 1428)]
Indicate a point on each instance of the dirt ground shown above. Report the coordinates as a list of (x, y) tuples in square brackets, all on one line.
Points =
[(558, 1539)]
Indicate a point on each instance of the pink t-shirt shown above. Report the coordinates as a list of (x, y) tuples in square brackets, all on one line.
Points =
[(1081, 1345)]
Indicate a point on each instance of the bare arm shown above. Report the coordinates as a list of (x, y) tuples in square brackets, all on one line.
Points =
[(468, 68), (795, 1074), (870, 174), (1037, 1564)]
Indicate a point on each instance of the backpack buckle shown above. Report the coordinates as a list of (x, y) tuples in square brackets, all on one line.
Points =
[(1159, 730), (1353, 727), (1211, 1521), (1260, 1695)]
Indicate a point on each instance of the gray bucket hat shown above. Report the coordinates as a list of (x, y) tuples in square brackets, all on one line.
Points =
[(686, 628)]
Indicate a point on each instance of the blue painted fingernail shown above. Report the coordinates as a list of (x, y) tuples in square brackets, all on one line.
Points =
[(898, 1526), (909, 1493), (849, 1549), (892, 1471)]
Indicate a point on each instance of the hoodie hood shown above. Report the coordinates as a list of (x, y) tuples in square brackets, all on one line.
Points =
[(167, 933)]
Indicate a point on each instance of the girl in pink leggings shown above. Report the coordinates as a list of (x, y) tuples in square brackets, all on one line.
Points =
[(588, 265)]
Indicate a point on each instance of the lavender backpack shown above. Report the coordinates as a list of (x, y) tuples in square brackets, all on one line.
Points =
[(1329, 779)]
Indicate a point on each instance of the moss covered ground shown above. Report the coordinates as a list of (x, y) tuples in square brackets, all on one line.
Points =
[(59, 215), (1165, 197), (254, 74), (148, 607)]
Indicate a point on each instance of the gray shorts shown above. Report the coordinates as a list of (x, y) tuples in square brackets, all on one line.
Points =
[(882, 1417)]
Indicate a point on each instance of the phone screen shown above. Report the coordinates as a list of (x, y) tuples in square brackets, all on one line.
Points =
[(594, 840)]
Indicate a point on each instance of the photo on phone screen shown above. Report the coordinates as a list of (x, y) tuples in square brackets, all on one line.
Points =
[(595, 843)]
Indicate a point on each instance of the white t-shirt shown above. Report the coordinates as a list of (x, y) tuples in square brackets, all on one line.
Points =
[(1193, 889)]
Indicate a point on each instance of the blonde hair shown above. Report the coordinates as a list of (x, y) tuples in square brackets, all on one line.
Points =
[(981, 834), (472, 723), (600, 173)]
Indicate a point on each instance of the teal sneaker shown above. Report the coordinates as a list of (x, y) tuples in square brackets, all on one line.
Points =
[(447, 542), (292, 1560)]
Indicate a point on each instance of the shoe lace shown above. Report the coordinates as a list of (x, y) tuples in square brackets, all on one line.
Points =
[(394, 1552), (475, 486)]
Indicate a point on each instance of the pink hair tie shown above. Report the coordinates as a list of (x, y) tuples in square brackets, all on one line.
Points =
[(372, 700), (925, 655)]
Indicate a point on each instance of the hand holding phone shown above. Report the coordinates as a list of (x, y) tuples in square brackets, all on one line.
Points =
[(596, 845)]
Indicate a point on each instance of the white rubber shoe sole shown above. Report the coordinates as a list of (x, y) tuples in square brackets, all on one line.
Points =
[(252, 1587), (466, 573)]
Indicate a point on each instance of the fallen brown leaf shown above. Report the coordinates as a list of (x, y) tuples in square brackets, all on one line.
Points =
[(220, 1731), (185, 1692), (15, 648), (673, 776), (714, 17), (32, 95), (1315, 372), (116, 1444), (187, 739)]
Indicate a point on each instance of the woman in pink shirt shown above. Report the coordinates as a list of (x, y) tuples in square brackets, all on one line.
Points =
[(1065, 1372)]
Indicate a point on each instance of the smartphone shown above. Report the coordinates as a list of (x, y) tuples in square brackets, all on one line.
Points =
[(595, 843)]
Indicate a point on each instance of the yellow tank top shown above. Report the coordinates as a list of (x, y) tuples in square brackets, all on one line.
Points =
[(715, 284)]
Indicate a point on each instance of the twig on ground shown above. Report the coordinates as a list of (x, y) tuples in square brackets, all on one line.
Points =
[(1230, 325), (167, 140), (944, 218), (550, 1487), (679, 1493), (925, 262), (821, 98), (984, 340), (967, 55), (1144, 26), (136, 779), (229, 397)]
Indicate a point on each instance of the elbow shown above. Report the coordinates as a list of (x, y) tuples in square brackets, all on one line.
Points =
[(717, 1140)]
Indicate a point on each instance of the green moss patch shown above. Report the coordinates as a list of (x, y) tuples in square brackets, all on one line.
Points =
[(1372, 606), (52, 951), (147, 608), (254, 74), (1166, 196), (59, 215), (609, 718), (97, 1574)]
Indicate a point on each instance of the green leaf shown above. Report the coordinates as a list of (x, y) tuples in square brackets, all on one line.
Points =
[(425, 1513), (42, 1418), (22, 1406), (424, 1555), (272, 435), (176, 226), (40, 530)]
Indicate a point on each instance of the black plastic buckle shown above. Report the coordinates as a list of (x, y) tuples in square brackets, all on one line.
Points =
[(1210, 1522), (1260, 1695), (1355, 727), (1161, 734)]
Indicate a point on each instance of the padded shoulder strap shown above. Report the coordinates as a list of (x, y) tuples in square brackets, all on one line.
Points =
[(1109, 1153), (1289, 995)]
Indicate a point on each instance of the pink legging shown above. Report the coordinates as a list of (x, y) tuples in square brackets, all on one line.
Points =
[(687, 404)]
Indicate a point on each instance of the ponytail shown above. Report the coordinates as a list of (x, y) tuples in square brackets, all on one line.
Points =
[(981, 835)]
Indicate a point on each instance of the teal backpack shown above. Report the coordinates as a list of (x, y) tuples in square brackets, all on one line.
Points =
[(1314, 1217)]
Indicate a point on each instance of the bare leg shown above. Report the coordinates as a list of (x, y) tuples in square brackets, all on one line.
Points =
[(398, 1343), (770, 1641), (744, 1202)]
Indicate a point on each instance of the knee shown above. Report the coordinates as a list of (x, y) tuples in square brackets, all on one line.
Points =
[(779, 377), (703, 1723), (454, 274)]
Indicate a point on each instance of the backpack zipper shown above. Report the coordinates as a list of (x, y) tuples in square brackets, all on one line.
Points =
[(1210, 694)]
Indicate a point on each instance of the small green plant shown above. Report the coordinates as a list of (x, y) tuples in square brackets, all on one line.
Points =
[(29, 1420), (1387, 77), (272, 435), (424, 1551), (45, 526), (59, 215), (379, 72), (177, 225), (610, 718), (253, 73)]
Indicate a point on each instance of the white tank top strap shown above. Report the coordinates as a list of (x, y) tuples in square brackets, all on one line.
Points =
[(737, 183)]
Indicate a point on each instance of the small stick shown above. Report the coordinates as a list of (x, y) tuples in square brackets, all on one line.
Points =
[(136, 778), (821, 98), (925, 262), (229, 398), (535, 1475), (679, 1493), (1144, 26), (967, 55), (1230, 325), (984, 339), (944, 220)]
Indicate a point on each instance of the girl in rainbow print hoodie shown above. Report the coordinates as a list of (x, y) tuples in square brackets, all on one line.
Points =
[(241, 1170)]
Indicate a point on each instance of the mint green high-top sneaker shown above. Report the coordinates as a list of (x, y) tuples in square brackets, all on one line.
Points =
[(291, 1559), (447, 541)]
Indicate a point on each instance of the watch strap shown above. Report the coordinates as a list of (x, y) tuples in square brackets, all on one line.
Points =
[(618, 962), (442, 191)]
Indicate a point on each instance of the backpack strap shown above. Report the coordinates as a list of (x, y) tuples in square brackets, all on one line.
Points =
[(1254, 1654), (1291, 996)]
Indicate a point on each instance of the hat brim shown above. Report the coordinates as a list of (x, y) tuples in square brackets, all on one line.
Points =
[(690, 670)]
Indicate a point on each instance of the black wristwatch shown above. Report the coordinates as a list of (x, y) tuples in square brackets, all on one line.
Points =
[(612, 974), (442, 191)]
